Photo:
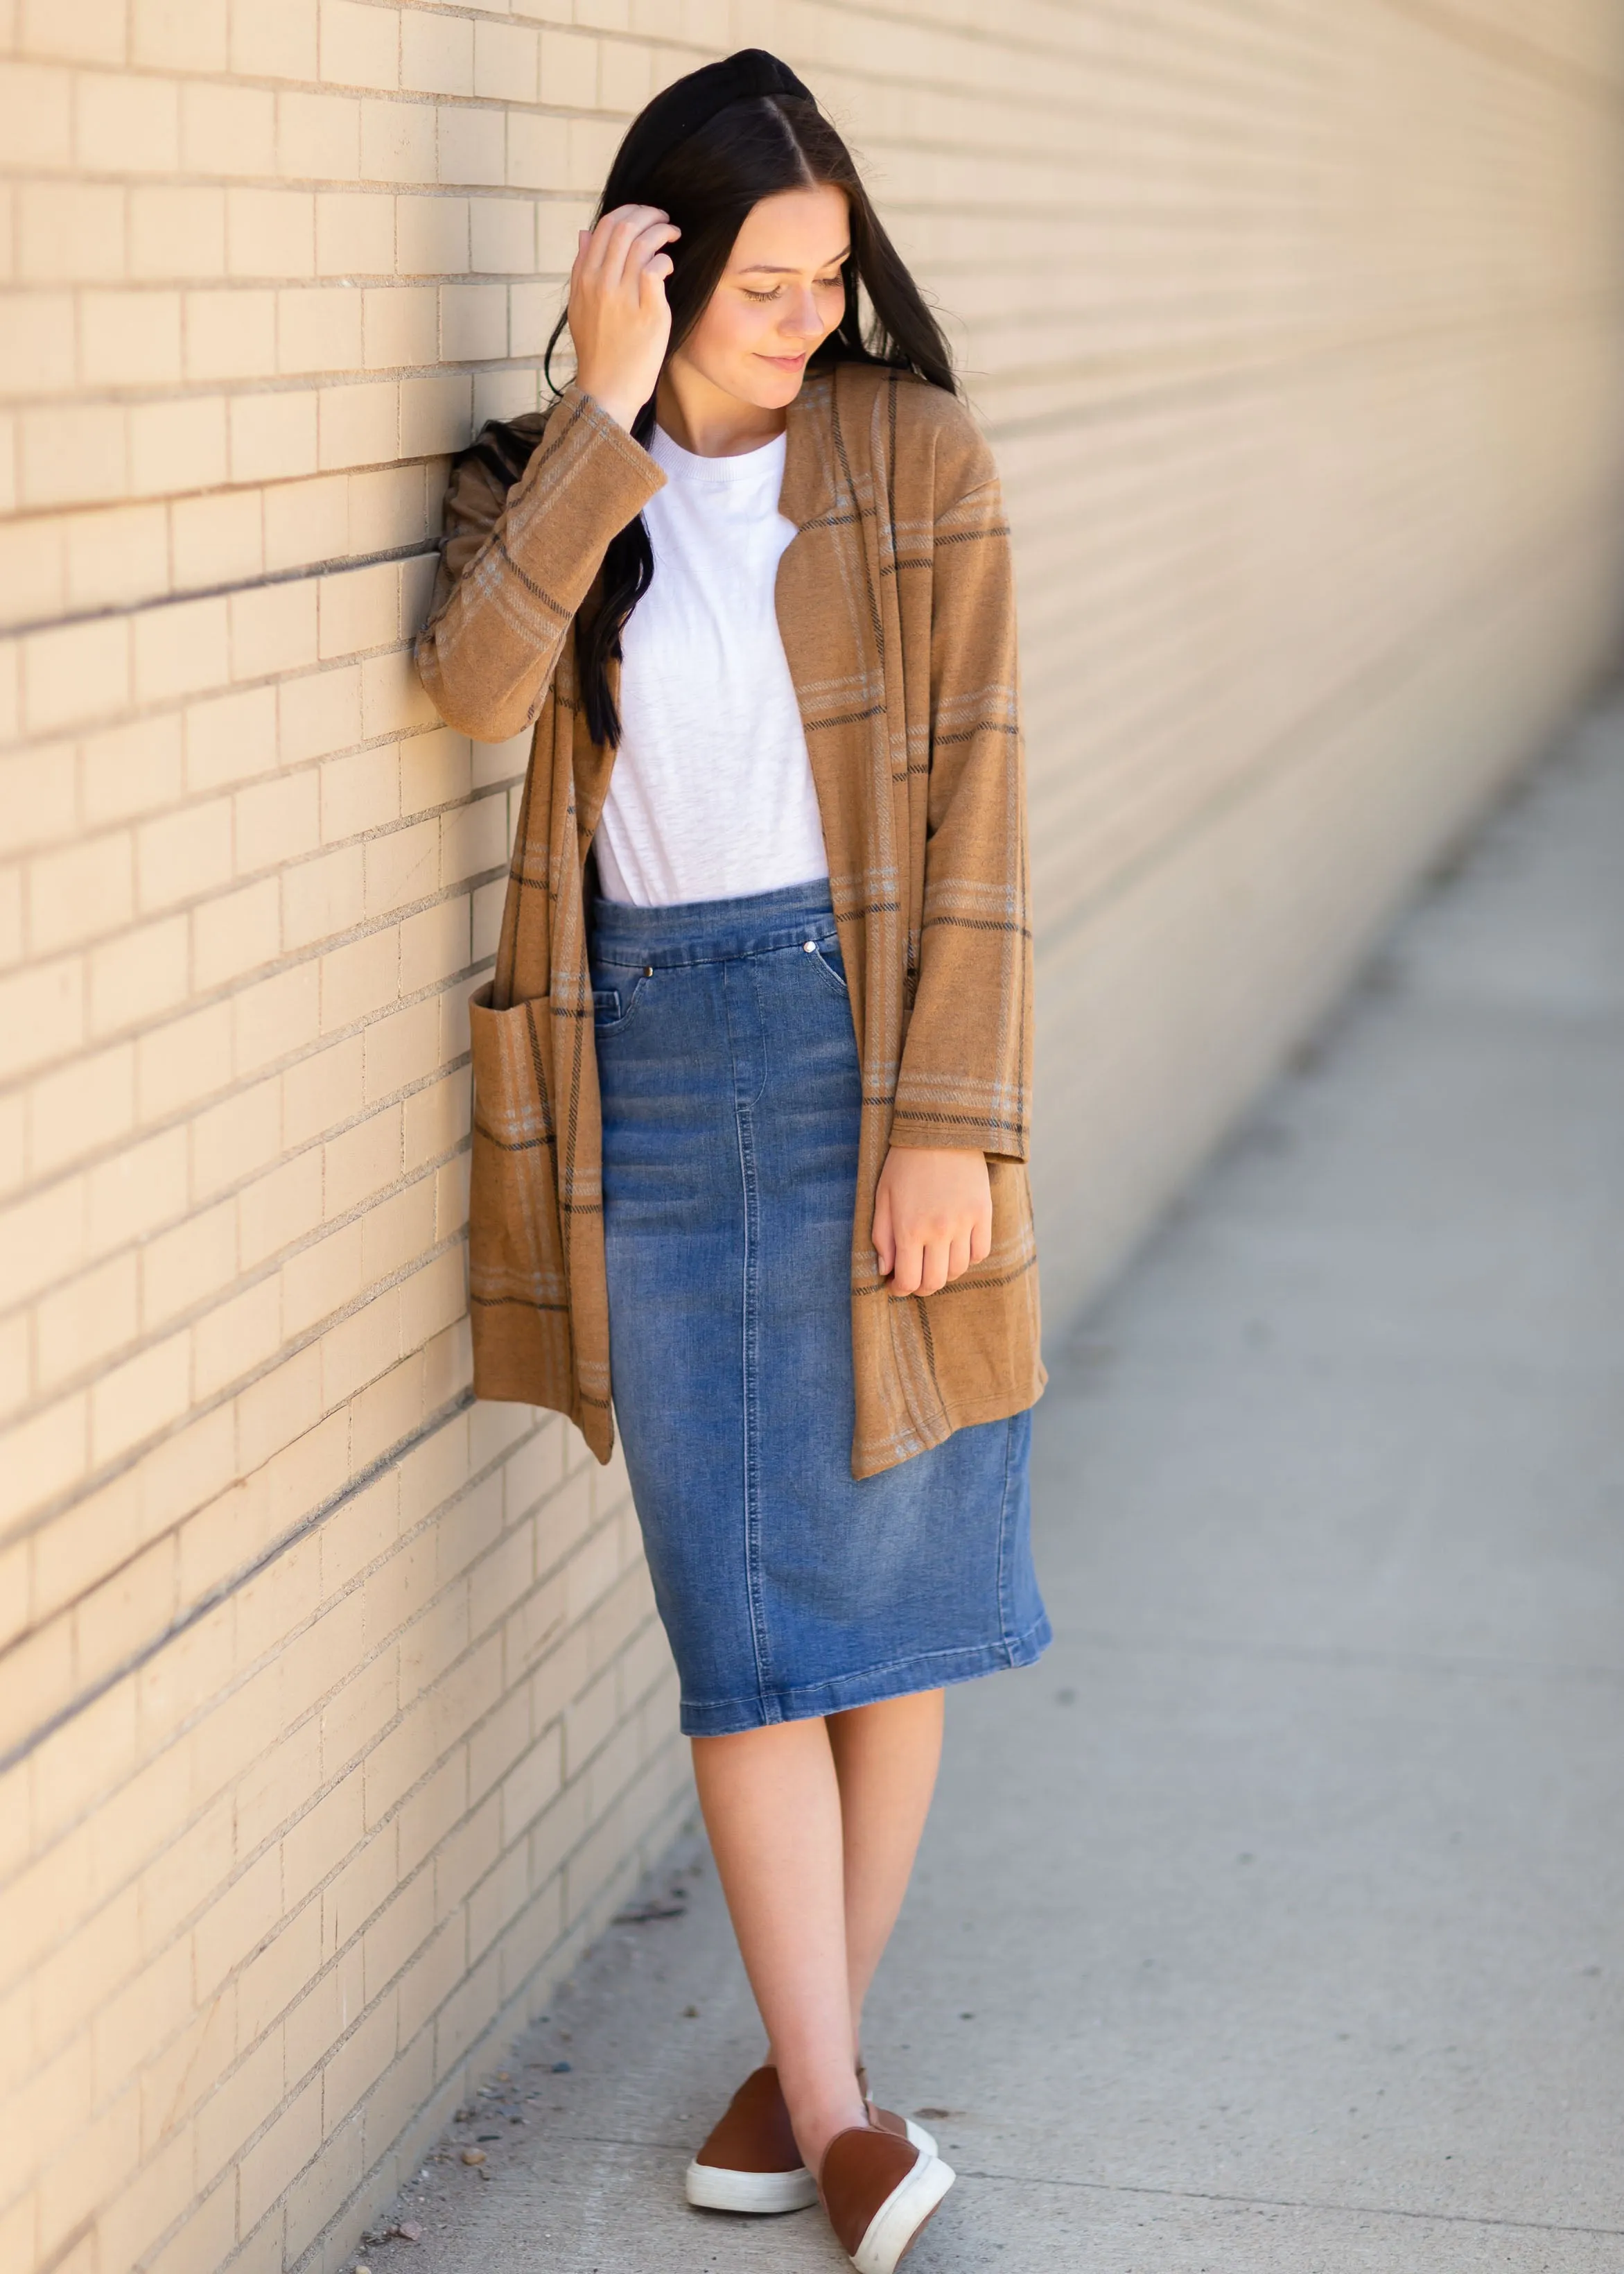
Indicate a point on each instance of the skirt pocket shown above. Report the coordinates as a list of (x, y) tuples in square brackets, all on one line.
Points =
[(518, 1300)]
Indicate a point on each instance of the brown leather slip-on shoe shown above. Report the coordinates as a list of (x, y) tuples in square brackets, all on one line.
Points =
[(750, 2162), (878, 2191)]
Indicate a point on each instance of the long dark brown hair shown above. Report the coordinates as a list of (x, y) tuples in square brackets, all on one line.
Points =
[(709, 183)]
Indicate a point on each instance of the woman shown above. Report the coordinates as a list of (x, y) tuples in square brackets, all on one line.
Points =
[(751, 1079)]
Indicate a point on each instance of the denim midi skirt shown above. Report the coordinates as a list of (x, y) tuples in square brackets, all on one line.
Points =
[(728, 1065)]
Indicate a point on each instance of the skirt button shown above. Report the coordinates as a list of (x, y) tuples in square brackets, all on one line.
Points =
[(648, 971), (810, 948)]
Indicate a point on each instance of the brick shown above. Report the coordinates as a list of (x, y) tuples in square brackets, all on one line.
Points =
[(307, 521), (78, 1324), (177, 230), (218, 540), (186, 1266), (360, 1348), (272, 630), (504, 64), (503, 235), (318, 330), (321, 1090), (92, 32), (355, 234), (431, 236), (138, 1398), (401, 1049), (401, 327), (434, 944), (188, 1059), (474, 840), (321, 1279), (538, 153), (82, 1107), (144, 973), (179, 34), (228, 130), (359, 424), (183, 853), (322, 2189), (278, 43), (230, 738), (360, 46), (235, 1138), (277, 1016), (569, 70), (127, 1612), (238, 2105), (470, 146), (471, 321), (70, 232), (360, 608), (235, 933), (319, 713), (321, 899), (437, 53), (322, 1841), (360, 978), (180, 648), (278, 821), (359, 792), (177, 445), (112, 558), (318, 136), (76, 672), (237, 1338), (230, 335), (436, 415), (270, 233), (142, 1185), (80, 891), (360, 1162), (204, 2237), (272, 436), (275, 1210), (126, 125), (124, 771), (128, 338)]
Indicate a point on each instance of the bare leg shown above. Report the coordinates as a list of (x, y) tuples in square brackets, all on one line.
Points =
[(771, 1806), (886, 1757)]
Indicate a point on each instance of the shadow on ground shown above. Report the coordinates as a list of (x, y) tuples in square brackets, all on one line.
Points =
[(1276, 1920)]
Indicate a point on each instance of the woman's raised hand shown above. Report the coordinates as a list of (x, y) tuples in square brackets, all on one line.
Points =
[(618, 319)]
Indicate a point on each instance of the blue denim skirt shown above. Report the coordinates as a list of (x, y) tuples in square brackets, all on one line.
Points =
[(728, 1070)]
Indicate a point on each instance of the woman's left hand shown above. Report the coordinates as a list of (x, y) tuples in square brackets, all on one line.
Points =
[(932, 1217)]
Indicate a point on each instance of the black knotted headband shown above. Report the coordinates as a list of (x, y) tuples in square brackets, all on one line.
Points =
[(689, 103)]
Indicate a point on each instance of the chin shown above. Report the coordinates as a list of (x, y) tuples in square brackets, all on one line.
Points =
[(771, 390)]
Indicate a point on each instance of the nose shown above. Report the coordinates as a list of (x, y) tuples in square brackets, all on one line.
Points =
[(801, 320)]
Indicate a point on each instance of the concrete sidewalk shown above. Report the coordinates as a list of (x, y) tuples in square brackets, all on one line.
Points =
[(1276, 1920)]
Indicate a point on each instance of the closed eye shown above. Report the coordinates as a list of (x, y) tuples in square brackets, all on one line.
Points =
[(823, 284)]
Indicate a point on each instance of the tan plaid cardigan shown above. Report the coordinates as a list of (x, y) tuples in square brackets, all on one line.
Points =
[(896, 602)]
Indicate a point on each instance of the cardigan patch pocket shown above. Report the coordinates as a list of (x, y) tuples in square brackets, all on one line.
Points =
[(518, 1294)]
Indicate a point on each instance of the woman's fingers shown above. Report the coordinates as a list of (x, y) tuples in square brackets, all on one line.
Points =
[(880, 1237)]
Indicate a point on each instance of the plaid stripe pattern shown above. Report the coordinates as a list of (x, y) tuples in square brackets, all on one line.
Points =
[(896, 603)]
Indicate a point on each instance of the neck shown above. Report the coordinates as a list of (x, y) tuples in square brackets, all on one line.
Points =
[(700, 417)]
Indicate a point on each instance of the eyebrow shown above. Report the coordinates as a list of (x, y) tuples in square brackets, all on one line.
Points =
[(769, 268)]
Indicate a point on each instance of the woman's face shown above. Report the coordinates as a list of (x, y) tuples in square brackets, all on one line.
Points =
[(780, 295)]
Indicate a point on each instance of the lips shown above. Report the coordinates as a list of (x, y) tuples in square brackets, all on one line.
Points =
[(785, 362)]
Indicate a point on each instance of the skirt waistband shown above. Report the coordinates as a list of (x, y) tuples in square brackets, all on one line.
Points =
[(711, 931)]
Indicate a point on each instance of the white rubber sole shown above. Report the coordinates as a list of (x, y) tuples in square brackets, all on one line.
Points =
[(919, 2137), (895, 2227), (763, 2194), (767, 2194)]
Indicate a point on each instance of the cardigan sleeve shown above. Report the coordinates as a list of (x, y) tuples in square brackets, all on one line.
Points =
[(965, 1073), (514, 566)]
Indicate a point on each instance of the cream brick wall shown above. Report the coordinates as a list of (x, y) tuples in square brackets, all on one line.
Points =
[(333, 1714)]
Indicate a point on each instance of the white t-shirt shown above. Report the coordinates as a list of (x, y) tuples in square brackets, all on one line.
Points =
[(710, 797)]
